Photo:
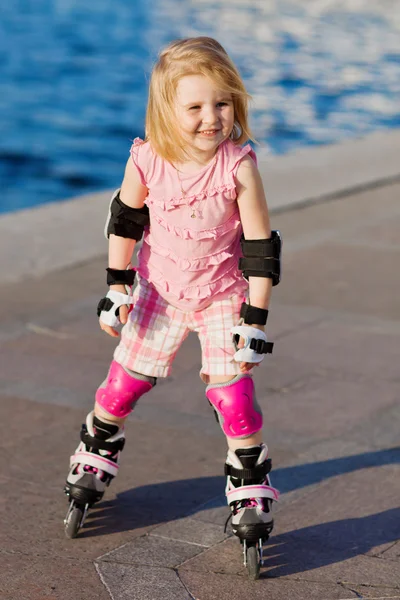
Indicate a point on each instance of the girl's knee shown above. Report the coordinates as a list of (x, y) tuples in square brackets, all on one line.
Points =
[(215, 379), (235, 404), (118, 394)]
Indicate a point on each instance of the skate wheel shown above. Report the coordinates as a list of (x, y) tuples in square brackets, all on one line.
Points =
[(74, 520), (253, 562)]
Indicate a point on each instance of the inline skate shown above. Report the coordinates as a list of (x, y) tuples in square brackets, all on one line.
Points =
[(250, 496), (92, 467)]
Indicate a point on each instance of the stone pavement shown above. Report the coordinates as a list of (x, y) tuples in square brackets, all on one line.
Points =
[(330, 395)]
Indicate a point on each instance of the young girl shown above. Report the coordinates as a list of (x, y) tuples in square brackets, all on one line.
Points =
[(207, 264)]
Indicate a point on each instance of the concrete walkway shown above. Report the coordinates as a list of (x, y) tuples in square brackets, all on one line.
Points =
[(330, 395)]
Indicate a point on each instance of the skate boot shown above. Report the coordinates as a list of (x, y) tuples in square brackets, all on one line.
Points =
[(92, 467), (250, 496)]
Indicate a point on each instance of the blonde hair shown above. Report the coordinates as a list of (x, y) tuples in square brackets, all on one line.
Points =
[(191, 56)]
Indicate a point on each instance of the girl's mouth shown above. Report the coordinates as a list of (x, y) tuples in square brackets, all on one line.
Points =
[(209, 132)]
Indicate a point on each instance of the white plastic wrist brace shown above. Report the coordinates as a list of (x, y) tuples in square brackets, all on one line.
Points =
[(246, 354), (109, 316)]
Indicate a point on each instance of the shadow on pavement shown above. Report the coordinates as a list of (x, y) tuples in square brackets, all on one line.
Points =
[(157, 503), (299, 551), (152, 505), (289, 479)]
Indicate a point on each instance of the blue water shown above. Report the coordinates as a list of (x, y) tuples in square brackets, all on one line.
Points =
[(73, 82)]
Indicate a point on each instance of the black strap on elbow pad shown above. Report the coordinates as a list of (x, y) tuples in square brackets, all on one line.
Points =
[(125, 221), (262, 258)]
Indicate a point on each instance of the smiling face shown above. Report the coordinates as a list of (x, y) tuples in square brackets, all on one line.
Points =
[(205, 115)]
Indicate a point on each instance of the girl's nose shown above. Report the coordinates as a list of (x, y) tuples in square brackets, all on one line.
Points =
[(210, 115)]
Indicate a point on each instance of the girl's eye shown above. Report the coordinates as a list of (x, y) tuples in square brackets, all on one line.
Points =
[(197, 107)]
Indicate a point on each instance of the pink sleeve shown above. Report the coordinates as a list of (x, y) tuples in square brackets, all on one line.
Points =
[(238, 155), (253, 155), (139, 158)]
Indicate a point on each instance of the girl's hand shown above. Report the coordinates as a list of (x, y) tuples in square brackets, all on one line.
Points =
[(123, 314), (246, 367)]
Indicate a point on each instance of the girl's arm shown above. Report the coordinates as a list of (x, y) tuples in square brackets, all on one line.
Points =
[(120, 249), (132, 193), (255, 222)]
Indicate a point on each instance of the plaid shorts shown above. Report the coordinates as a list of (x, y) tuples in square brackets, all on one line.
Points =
[(156, 330)]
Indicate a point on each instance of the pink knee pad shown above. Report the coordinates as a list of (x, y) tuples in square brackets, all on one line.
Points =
[(120, 391), (238, 411)]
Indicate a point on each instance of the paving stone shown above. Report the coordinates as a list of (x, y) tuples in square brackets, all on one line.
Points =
[(342, 520), (209, 586), (11, 409), (386, 234), (341, 409), (343, 349), (335, 284), (389, 551), (32, 523), (328, 459), (215, 511), (382, 430), (325, 549), (225, 558), (284, 319), (35, 459), (329, 219), (154, 551), (309, 560), (355, 500), (30, 577), (128, 582), (392, 553), (334, 288), (54, 290), (191, 530), (376, 593)]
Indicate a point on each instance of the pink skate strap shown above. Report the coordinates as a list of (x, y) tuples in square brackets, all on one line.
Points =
[(93, 460), (252, 491)]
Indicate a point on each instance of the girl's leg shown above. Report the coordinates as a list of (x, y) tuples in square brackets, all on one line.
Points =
[(248, 489), (96, 459), (234, 443), (148, 344), (104, 415), (117, 395)]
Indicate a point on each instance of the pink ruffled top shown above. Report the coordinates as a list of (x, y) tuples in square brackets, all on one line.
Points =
[(191, 261)]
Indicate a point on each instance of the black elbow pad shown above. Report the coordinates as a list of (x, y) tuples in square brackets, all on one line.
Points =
[(125, 221), (262, 258)]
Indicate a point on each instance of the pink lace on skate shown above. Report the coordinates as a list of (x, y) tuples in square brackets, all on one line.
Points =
[(250, 503), (102, 475)]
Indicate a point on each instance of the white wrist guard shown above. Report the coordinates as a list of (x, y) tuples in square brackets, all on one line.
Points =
[(255, 344), (108, 307)]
